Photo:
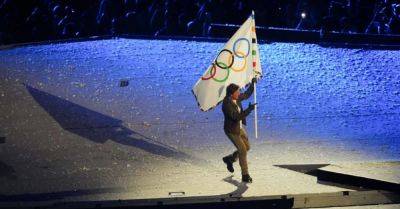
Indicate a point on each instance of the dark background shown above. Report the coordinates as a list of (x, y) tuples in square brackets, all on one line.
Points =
[(37, 20)]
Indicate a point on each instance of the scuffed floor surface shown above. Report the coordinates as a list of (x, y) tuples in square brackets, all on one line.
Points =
[(69, 128)]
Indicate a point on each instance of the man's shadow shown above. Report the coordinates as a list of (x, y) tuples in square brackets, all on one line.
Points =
[(241, 187), (99, 128)]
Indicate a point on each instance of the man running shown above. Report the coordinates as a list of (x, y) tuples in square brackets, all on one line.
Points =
[(235, 120)]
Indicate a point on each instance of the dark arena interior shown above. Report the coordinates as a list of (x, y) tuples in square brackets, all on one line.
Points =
[(129, 104)]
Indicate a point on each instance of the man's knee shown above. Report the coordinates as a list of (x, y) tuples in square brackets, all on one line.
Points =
[(246, 142), (242, 150)]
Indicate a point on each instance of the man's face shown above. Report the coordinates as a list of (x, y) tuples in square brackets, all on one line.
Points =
[(235, 95)]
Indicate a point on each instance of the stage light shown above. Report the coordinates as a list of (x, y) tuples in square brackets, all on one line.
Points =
[(303, 15)]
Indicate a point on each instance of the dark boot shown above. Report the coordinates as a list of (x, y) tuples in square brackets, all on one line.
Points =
[(246, 178), (229, 163)]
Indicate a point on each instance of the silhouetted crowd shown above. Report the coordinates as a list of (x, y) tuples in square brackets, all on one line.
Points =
[(34, 20)]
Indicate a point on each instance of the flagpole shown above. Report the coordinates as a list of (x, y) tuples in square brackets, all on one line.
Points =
[(255, 90), (255, 111)]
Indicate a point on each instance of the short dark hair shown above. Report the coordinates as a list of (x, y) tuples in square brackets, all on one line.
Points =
[(231, 89)]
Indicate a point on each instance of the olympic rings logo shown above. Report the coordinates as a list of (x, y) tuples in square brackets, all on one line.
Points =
[(235, 53)]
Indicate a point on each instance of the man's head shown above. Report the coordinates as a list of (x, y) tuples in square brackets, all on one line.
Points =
[(233, 91)]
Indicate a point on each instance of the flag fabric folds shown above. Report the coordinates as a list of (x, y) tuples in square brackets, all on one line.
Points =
[(238, 62)]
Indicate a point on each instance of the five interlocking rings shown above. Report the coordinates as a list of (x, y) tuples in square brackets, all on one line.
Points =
[(231, 60)]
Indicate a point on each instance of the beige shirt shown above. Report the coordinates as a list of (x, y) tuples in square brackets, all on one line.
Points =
[(240, 122)]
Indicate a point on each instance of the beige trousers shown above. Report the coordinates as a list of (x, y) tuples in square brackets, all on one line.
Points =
[(242, 145)]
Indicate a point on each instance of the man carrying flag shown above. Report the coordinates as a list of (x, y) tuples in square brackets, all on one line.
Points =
[(236, 66), (235, 118)]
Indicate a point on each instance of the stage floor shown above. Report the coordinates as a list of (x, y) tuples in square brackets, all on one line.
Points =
[(69, 128)]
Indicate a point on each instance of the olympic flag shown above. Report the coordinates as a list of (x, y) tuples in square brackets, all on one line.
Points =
[(238, 62)]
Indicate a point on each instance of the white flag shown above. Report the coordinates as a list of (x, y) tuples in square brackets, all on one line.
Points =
[(238, 62)]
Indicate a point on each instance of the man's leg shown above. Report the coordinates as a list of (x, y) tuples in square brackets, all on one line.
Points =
[(243, 135), (234, 156), (241, 151), (245, 140), (230, 159)]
